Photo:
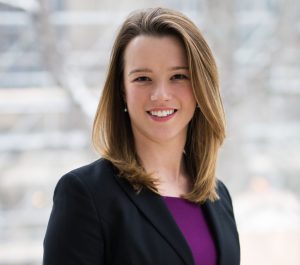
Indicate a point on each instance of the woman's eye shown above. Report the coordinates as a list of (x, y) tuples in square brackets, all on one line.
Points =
[(179, 77), (142, 79)]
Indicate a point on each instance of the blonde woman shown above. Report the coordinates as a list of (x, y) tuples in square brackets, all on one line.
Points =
[(153, 197)]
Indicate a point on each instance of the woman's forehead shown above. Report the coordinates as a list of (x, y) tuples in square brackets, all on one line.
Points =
[(145, 52)]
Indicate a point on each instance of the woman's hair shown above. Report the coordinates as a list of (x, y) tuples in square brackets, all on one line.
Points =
[(112, 133)]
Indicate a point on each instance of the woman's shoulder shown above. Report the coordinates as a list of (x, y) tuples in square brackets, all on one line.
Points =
[(97, 169), (224, 197), (96, 175), (223, 190)]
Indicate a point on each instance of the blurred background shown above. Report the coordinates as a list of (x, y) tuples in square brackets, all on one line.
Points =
[(53, 59)]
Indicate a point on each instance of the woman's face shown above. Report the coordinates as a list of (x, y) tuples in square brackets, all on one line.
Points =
[(158, 91)]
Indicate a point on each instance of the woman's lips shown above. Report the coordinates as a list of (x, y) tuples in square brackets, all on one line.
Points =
[(162, 114)]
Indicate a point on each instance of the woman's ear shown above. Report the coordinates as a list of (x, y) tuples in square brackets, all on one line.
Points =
[(124, 97), (123, 94), (125, 103)]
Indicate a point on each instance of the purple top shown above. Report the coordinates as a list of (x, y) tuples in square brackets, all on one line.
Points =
[(191, 221)]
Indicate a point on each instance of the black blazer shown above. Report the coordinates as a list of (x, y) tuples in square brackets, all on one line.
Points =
[(98, 219)]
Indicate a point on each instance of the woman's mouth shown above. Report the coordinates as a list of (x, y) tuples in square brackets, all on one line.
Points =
[(162, 115)]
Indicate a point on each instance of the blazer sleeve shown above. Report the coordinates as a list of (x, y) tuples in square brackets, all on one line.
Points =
[(74, 233)]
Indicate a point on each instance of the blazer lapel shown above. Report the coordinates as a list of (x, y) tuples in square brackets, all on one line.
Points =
[(157, 213), (210, 211), (224, 239)]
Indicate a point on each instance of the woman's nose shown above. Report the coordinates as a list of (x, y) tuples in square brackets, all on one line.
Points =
[(160, 92)]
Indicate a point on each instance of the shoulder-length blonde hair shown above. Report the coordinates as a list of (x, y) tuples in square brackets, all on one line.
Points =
[(112, 133)]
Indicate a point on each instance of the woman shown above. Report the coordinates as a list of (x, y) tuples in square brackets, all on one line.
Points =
[(153, 198)]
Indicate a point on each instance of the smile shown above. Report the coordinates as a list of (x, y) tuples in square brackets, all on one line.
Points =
[(162, 113)]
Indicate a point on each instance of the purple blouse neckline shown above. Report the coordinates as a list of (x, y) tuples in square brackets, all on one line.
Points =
[(192, 223), (173, 197)]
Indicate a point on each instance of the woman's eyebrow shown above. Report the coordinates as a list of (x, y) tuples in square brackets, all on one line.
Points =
[(179, 68), (139, 70), (147, 70)]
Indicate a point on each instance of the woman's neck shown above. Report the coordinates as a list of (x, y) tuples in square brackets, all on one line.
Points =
[(166, 162)]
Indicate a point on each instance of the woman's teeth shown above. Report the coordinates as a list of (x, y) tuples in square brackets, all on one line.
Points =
[(162, 113)]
